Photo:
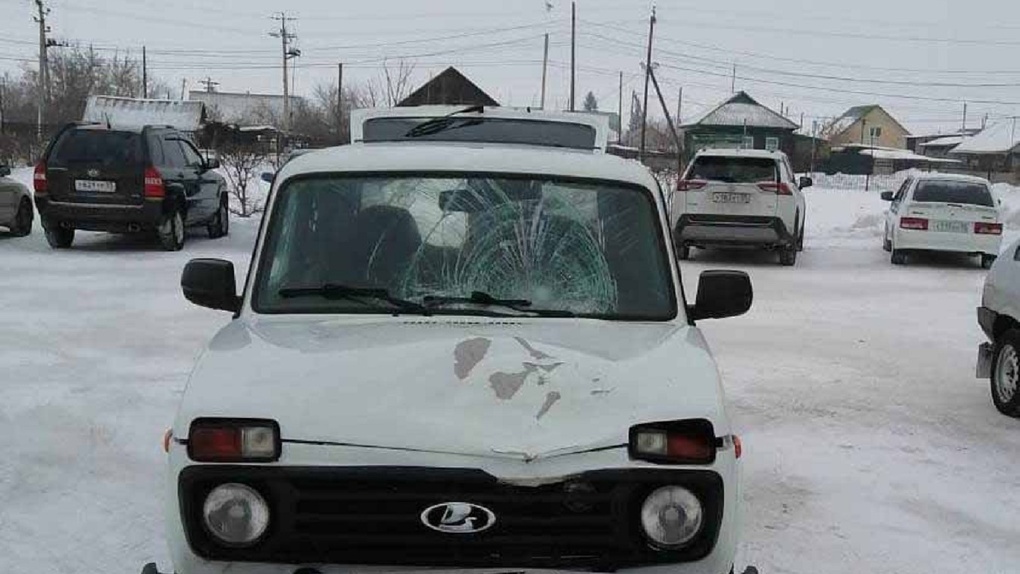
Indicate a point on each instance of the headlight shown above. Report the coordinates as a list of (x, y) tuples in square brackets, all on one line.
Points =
[(235, 514), (671, 517)]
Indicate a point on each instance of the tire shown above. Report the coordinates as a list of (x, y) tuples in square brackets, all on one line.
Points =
[(1005, 378), (899, 257), (800, 238), (220, 224), (171, 231), (886, 242), (23, 219), (59, 237), (683, 252), (987, 261), (788, 256)]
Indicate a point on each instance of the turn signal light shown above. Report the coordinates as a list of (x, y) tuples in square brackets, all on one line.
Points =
[(154, 187), (690, 184), (915, 223), (676, 442), (234, 440), (777, 187), (39, 182), (988, 228)]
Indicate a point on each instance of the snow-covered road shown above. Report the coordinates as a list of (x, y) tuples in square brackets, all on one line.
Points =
[(869, 445)]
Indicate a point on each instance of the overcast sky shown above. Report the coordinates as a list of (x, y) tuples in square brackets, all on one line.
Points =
[(921, 59)]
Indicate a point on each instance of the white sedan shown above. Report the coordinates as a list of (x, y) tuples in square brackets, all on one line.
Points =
[(999, 361), (943, 212)]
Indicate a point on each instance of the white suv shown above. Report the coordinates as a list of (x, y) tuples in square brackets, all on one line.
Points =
[(457, 356), (999, 317), (731, 197), (943, 212)]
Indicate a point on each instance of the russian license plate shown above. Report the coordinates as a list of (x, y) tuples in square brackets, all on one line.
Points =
[(952, 226), (729, 197), (95, 185)]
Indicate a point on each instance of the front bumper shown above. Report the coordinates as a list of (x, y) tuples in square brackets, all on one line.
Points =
[(190, 557), (99, 217), (700, 230)]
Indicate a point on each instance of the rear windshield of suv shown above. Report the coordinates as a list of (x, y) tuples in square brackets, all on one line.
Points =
[(733, 169), (97, 147), (954, 192), (486, 130)]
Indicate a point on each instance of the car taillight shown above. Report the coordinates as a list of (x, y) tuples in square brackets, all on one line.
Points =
[(234, 440), (777, 187), (690, 184), (988, 228), (677, 442), (39, 182), (915, 223), (154, 187)]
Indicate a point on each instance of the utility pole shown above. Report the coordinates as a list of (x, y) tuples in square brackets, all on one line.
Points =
[(964, 115), (210, 85), (44, 68), (545, 68), (573, 51), (814, 139), (648, 75), (619, 113), (145, 75), (679, 106), (340, 103), (184, 86), (733, 81), (288, 53)]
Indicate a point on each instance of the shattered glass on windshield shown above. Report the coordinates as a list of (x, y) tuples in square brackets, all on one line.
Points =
[(590, 249)]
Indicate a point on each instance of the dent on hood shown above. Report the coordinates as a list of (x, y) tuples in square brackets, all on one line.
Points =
[(537, 367)]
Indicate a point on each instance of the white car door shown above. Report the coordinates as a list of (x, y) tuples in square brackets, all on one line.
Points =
[(1002, 287), (9, 197), (892, 216)]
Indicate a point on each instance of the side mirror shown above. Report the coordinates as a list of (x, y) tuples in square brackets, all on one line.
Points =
[(805, 181), (5, 170), (887, 196), (722, 294), (212, 163), (268, 176), (210, 283)]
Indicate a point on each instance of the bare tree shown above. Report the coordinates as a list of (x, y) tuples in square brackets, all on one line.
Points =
[(388, 91), (242, 164)]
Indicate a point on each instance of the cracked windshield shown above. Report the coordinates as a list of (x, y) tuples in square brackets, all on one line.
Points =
[(536, 245), (510, 287)]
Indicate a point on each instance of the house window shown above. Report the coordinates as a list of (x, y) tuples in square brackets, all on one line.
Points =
[(875, 132), (772, 144), (748, 142)]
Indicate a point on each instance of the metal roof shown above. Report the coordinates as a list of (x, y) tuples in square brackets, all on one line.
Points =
[(135, 113), (999, 138), (743, 110)]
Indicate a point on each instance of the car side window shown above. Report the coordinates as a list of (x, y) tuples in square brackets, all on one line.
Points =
[(901, 193), (788, 172), (155, 150), (1016, 256), (173, 153), (191, 155)]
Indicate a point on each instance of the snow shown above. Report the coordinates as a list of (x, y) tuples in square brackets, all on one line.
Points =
[(903, 155), (869, 446), (947, 141), (995, 139), (742, 110), (135, 113)]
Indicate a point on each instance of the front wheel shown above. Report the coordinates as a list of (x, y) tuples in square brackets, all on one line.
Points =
[(59, 237), (23, 219), (1005, 377), (171, 231), (220, 224), (987, 261), (788, 256)]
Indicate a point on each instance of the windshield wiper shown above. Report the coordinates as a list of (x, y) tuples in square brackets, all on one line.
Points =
[(444, 123), (482, 298), (337, 291)]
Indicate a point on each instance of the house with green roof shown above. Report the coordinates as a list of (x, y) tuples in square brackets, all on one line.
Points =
[(740, 122)]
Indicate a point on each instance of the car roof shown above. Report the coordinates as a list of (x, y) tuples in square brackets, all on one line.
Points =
[(724, 152), (129, 129), (938, 176), (474, 157)]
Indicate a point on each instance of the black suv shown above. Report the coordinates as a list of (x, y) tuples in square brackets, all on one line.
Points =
[(144, 180)]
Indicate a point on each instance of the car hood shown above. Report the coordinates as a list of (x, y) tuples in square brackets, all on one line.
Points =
[(523, 388)]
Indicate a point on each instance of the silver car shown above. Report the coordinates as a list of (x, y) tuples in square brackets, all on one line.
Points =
[(16, 213)]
